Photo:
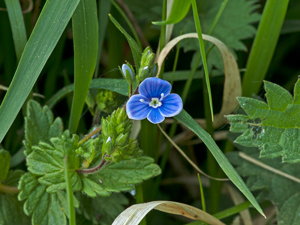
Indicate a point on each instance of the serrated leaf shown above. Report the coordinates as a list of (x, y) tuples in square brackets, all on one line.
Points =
[(11, 209), (272, 127), (283, 192), (232, 27), (40, 125), (126, 173), (4, 164), (45, 208), (102, 210), (47, 161)]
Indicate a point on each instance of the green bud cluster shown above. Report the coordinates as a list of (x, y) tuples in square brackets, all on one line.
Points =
[(102, 100), (147, 67), (116, 142)]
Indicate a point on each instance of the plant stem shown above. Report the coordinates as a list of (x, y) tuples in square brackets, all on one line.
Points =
[(163, 35), (88, 136), (69, 193), (202, 195), (176, 60), (8, 189)]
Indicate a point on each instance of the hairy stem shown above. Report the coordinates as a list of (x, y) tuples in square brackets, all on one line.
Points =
[(8, 189)]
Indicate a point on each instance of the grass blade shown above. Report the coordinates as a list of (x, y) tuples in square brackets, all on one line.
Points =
[(264, 45), (85, 35), (135, 48), (228, 169), (47, 31), (179, 10), (17, 25), (203, 55)]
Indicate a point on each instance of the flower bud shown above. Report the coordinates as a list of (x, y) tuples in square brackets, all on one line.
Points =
[(128, 73)]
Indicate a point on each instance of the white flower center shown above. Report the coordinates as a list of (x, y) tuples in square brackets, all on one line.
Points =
[(155, 103)]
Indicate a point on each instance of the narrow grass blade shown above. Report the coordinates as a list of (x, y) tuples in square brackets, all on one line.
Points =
[(228, 169), (136, 37), (47, 31), (264, 45), (17, 25), (85, 36), (179, 10), (135, 48), (203, 55)]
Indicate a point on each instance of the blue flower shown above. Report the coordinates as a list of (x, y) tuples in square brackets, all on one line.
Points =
[(154, 101)]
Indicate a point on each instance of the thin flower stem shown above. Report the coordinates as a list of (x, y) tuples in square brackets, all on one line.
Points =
[(202, 195), (188, 159), (94, 169), (8, 189)]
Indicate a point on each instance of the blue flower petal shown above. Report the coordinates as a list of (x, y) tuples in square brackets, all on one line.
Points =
[(155, 116), (136, 109), (171, 105), (152, 87)]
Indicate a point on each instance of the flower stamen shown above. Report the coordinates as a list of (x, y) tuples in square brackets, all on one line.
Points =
[(155, 102)]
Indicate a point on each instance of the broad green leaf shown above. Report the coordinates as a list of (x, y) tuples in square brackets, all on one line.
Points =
[(264, 45), (281, 191), (228, 169), (117, 85), (135, 48), (4, 164), (272, 127), (40, 125), (232, 27), (179, 10), (47, 161), (17, 25), (45, 208), (85, 38), (11, 209), (45, 35), (108, 207), (126, 173)]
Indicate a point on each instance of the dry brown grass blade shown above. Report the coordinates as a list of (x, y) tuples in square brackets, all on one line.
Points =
[(134, 214), (232, 85)]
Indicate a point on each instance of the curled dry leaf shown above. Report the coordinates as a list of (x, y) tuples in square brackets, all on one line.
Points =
[(134, 214), (232, 85)]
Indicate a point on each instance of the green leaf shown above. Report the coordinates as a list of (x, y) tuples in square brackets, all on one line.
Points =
[(264, 45), (17, 25), (101, 210), (283, 192), (179, 10), (117, 85), (135, 48), (47, 161), (45, 208), (228, 169), (120, 176), (273, 127), (45, 35), (40, 125), (232, 27), (4, 164), (85, 38), (11, 209)]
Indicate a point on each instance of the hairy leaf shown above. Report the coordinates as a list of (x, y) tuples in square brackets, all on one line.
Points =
[(283, 192), (11, 209), (233, 26), (121, 176), (4, 164), (272, 127), (101, 210), (40, 125), (45, 208)]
